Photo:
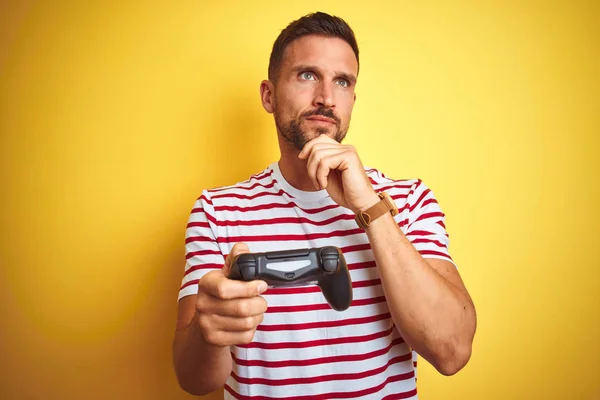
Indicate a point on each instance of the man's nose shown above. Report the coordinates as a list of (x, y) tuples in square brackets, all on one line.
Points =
[(324, 96)]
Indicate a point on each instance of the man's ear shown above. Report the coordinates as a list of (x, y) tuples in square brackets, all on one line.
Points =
[(267, 92)]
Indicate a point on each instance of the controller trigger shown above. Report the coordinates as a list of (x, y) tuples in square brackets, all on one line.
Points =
[(329, 259), (247, 266), (248, 272)]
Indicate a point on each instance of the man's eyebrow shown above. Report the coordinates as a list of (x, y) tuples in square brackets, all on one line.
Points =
[(344, 75), (349, 77), (304, 67)]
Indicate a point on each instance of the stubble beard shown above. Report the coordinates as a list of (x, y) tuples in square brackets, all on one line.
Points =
[(293, 132)]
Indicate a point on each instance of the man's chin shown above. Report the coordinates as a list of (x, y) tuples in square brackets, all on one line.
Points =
[(332, 133), (312, 133)]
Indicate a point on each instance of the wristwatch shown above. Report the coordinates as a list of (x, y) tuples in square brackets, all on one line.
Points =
[(386, 204)]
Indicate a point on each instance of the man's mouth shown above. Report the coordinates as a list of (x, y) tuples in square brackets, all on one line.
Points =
[(318, 118)]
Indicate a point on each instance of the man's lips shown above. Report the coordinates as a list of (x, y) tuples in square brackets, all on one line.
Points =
[(321, 119)]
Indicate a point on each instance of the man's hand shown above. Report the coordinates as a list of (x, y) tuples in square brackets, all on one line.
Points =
[(338, 169), (229, 311)]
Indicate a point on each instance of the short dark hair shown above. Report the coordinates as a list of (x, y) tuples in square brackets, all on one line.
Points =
[(318, 23)]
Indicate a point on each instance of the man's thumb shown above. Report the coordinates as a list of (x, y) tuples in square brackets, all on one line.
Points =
[(237, 249)]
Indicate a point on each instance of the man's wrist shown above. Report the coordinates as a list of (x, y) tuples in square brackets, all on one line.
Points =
[(368, 202), (384, 205)]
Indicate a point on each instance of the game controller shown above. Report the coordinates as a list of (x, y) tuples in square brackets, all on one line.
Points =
[(324, 266)]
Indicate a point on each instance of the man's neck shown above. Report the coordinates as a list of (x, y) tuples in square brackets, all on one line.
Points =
[(293, 169)]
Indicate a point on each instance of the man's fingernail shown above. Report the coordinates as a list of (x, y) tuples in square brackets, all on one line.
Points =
[(262, 287)]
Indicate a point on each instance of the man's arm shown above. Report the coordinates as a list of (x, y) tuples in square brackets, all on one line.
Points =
[(427, 299), (223, 313), (200, 367)]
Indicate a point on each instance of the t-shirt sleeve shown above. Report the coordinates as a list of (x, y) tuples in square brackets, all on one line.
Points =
[(202, 252), (426, 228)]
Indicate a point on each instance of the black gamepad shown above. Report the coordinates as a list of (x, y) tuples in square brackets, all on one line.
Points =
[(324, 266)]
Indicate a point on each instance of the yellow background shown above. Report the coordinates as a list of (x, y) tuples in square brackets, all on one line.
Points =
[(114, 116)]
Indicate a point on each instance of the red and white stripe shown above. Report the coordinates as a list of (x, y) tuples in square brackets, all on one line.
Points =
[(303, 349)]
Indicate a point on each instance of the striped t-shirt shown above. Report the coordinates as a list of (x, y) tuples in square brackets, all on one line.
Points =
[(303, 349)]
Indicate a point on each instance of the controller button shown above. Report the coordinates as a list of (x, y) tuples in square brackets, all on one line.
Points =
[(290, 275), (246, 258), (329, 252)]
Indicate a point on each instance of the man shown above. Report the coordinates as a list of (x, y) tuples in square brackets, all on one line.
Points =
[(287, 342)]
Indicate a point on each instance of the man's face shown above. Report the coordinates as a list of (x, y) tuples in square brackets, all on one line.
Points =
[(314, 94)]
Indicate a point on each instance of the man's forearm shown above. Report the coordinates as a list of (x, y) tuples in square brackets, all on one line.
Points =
[(201, 368), (434, 316)]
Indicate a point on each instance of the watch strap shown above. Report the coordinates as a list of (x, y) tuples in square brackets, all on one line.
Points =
[(386, 204)]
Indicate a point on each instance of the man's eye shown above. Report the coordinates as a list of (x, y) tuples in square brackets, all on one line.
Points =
[(344, 83), (307, 75)]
